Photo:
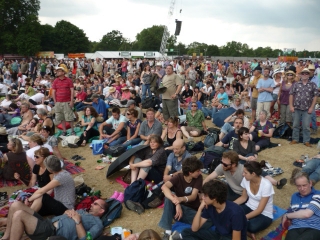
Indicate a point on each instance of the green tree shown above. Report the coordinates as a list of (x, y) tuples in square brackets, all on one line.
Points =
[(213, 50), (126, 45), (47, 38), (13, 14), (69, 38), (181, 48), (28, 38), (149, 39), (232, 49), (111, 41)]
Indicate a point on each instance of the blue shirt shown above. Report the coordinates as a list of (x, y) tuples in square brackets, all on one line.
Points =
[(67, 226), (315, 80), (230, 138), (232, 218), (312, 202), (173, 162), (100, 107), (225, 98), (265, 96)]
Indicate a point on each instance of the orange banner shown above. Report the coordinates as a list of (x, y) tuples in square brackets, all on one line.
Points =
[(76, 55), (45, 54), (286, 59)]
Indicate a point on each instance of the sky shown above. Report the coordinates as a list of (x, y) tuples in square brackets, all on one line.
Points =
[(278, 24)]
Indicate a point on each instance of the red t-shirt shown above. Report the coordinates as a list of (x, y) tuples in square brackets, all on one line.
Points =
[(82, 96), (63, 89)]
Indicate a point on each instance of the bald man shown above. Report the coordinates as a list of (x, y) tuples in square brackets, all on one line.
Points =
[(175, 159)]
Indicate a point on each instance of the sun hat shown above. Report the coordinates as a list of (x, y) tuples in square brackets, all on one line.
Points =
[(305, 70), (291, 72), (112, 89)]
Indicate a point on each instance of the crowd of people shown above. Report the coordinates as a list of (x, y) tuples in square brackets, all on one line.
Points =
[(39, 94)]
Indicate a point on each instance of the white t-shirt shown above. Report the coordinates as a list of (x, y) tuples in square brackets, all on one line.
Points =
[(115, 123), (3, 88), (105, 90), (265, 190), (5, 103), (37, 97), (30, 152), (207, 90), (22, 80)]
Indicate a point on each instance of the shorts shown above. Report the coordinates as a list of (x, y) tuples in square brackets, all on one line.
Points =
[(254, 103), (275, 97), (63, 112), (44, 228), (189, 129), (50, 206)]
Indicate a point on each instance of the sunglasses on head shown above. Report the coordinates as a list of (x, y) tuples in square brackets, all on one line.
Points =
[(225, 165)]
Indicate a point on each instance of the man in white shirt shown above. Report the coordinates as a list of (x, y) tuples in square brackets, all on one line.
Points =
[(3, 88)]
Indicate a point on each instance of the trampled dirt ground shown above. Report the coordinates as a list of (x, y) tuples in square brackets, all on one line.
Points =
[(282, 156)]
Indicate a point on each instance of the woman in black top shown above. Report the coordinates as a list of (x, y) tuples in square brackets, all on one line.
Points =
[(244, 146), (172, 132), (40, 173)]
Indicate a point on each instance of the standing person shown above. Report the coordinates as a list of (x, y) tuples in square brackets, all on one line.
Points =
[(97, 67), (256, 199), (146, 82), (277, 77), (124, 68), (230, 71), (191, 75), (303, 97), (33, 69), (303, 214), (254, 91), (283, 98), (265, 88), (169, 98), (228, 218), (315, 79), (62, 93)]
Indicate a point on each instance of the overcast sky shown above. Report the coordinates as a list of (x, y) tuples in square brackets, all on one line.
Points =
[(275, 23)]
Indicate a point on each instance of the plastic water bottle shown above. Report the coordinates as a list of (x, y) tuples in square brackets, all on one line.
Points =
[(129, 147), (157, 185), (89, 236)]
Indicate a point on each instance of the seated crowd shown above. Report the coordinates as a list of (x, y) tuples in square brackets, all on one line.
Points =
[(243, 205)]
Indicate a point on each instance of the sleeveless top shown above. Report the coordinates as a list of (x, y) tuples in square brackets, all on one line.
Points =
[(147, 78), (171, 140), (284, 96)]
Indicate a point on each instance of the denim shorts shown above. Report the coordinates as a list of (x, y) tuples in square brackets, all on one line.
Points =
[(275, 97)]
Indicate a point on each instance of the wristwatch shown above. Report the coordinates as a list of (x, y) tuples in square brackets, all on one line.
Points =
[(77, 223)]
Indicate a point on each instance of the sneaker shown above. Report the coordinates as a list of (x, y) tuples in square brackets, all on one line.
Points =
[(120, 198), (204, 171), (175, 236), (136, 207), (166, 236), (115, 195)]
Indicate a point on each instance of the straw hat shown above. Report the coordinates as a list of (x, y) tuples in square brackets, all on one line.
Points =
[(305, 70), (291, 72), (124, 88), (3, 131), (112, 89)]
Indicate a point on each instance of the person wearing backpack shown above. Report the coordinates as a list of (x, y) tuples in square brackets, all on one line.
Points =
[(71, 225), (183, 203)]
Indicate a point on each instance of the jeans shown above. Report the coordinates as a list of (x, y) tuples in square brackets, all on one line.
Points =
[(257, 223), (118, 141), (81, 106), (188, 234), (209, 112), (313, 169), (306, 118), (145, 88), (314, 120), (232, 195), (132, 142), (226, 128), (303, 234)]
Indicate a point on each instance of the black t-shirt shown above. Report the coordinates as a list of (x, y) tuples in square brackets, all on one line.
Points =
[(43, 179), (88, 99), (137, 100), (236, 87), (187, 94)]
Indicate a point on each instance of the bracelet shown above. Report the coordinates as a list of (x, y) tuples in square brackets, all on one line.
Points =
[(186, 198)]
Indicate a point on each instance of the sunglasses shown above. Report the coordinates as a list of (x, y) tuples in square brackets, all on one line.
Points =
[(128, 114), (36, 156), (225, 165), (305, 73), (194, 106), (97, 204)]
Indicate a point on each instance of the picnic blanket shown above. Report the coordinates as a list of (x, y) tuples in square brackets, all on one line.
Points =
[(70, 167), (277, 234)]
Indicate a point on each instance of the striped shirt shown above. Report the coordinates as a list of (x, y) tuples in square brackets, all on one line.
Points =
[(63, 89), (311, 202)]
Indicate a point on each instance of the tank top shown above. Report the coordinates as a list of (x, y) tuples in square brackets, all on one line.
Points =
[(146, 78), (284, 96), (171, 140)]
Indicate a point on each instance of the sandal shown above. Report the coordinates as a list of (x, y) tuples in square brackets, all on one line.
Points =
[(74, 157), (281, 183)]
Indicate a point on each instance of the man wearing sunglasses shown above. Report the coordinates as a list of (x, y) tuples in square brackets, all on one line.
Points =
[(71, 225), (303, 97)]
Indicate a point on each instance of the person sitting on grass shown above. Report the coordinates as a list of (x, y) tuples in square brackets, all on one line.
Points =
[(184, 202), (171, 132), (226, 128), (228, 218), (256, 199), (302, 219), (196, 123), (89, 124)]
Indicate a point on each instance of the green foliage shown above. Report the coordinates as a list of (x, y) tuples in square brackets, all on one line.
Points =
[(112, 41), (149, 39), (69, 38), (47, 38)]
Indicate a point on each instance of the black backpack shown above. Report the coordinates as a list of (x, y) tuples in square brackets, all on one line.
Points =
[(147, 103), (136, 192), (114, 211), (195, 147), (212, 138), (282, 131), (114, 151)]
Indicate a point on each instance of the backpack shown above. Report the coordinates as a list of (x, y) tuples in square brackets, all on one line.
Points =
[(195, 147), (211, 157), (114, 151), (282, 131), (86, 203), (114, 211), (97, 147), (147, 103), (212, 138), (136, 192)]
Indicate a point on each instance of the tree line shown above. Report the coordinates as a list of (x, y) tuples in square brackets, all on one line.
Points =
[(23, 34)]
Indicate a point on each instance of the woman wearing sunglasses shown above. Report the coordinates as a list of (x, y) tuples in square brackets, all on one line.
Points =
[(283, 98), (63, 187), (258, 198), (40, 174)]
